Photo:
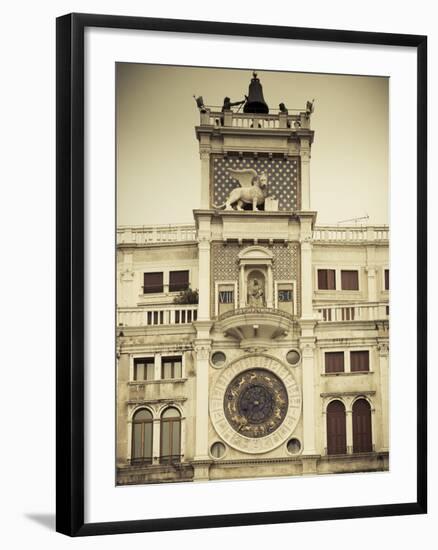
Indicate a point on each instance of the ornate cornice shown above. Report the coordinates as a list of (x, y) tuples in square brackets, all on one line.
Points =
[(347, 393), (176, 399)]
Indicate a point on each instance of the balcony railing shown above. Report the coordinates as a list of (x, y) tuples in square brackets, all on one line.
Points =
[(353, 235), (151, 234), (157, 315), (253, 121), (145, 234), (354, 312)]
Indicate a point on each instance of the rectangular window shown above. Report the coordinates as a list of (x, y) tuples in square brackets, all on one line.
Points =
[(178, 281), (386, 279), (360, 361), (326, 279), (144, 369), (285, 295), (226, 297), (152, 282), (334, 361), (349, 280), (171, 367)]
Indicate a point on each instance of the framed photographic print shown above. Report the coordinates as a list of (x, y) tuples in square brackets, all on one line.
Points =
[(241, 267)]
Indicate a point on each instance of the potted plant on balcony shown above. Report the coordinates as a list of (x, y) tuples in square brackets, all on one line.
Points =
[(187, 296)]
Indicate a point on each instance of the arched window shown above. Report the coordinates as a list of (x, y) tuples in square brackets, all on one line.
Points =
[(170, 452), (142, 433), (336, 432), (362, 437)]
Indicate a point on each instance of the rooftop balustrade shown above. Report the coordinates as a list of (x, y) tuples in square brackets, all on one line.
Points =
[(254, 121), (181, 233)]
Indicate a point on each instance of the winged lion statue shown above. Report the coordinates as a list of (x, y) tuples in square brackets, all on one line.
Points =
[(253, 190)]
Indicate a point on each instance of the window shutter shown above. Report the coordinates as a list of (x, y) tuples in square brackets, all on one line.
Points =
[(331, 280), (152, 282), (362, 438), (334, 361), (171, 367), (144, 369), (336, 429), (322, 279), (360, 361), (178, 280), (349, 280), (326, 279), (386, 279)]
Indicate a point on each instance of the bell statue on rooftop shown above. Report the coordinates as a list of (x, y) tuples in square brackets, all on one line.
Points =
[(255, 102)]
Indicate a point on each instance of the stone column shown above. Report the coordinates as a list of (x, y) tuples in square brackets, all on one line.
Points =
[(349, 430), (202, 347), (306, 281), (269, 290), (126, 289), (373, 428), (306, 266), (384, 375), (156, 441), (228, 118), (242, 289), (204, 268), (324, 431), (157, 366), (205, 179), (305, 173), (307, 344), (372, 286), (123, 451), (202, 350)]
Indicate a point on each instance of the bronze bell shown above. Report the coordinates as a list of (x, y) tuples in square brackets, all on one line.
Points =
[(255, 102)]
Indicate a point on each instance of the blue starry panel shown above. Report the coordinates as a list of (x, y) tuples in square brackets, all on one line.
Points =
[(283, 176)]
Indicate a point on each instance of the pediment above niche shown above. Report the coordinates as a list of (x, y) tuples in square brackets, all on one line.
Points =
[(256, 253)]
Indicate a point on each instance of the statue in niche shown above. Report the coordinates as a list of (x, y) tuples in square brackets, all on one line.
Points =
[(256, 293)]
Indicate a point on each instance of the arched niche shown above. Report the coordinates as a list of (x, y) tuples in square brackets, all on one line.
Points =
[(255, 277)]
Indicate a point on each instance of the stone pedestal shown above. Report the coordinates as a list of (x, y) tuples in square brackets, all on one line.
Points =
[(201, 470), (310, 466), (384, 375), (202, 347), (307, 344)]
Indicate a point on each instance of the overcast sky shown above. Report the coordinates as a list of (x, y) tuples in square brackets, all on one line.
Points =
[(158, 166)]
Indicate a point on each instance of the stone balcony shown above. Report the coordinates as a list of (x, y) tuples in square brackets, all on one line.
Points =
[(155, 234), (369, 311), (329, 234), (151, 316), (255, 324), (161, 391), (139, 235)]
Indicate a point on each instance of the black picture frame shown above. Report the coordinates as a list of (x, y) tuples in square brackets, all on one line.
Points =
[(70, 273)]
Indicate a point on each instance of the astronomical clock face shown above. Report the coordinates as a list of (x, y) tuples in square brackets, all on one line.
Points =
[(255, 403)]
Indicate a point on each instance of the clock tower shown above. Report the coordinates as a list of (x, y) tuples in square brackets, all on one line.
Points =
[(255, 329)]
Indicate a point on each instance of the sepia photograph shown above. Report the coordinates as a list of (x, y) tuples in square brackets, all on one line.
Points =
[(252, 274)]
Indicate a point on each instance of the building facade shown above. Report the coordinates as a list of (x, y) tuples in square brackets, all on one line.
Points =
[(254, 342)]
